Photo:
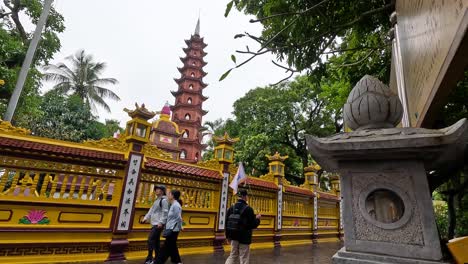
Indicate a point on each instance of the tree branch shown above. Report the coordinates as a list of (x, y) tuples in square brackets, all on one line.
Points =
[(352, 49), (357, 62), (363, 15), (15, 8), (288, 13), (284, 79), (5, 14)]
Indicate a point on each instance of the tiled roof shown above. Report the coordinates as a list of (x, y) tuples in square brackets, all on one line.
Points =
[(329, 196), (59, 150), (262, 183), (183, 168), (298, 190)]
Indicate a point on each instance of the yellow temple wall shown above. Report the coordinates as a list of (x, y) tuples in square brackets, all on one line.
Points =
[(76, 202)]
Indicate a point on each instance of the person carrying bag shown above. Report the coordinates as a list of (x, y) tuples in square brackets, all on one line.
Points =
[(157, 215), (171, 232)]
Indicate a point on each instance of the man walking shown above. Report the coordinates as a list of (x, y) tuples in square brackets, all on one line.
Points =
[(157, 215), (240, 221)]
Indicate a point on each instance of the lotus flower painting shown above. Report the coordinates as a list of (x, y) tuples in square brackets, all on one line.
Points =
[(35, 217)]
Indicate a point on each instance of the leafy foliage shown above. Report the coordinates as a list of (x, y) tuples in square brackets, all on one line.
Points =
[(14, 41), (304, 33), (276, 118), (82, 79)]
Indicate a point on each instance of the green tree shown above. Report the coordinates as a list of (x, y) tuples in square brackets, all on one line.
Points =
[(14, 41), (276, 118), (304, 33), (112, 126), (65, 118), (82, 79)]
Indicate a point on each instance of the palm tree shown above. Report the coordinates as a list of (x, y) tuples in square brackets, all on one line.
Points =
[(82, 79)]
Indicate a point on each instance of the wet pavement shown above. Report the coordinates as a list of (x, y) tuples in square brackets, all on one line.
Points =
[(313, 254)]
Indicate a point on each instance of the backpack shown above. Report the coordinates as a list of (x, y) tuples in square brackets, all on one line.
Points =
[(234, 221)]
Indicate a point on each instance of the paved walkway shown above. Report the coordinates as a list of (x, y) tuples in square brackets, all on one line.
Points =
[(310, 254)]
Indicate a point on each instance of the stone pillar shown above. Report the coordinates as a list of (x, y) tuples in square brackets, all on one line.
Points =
[(224, 153), (136, 135), (387, 207), (276, 168)]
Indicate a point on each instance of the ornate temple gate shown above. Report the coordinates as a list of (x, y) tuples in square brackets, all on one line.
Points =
[(60, 201)]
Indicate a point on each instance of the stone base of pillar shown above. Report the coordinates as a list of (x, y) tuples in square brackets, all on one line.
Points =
[(348, 257), (341, 235), (218, 243), (117, 248), (314, 237), (277, 240)]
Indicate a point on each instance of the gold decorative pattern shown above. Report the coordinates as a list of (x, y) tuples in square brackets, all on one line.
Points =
[(7, 127), (195, 194), (118, 144), (268, 177), (43, 180), (294, 205), (262, 202), (58, 249), (154, 152), (276, 157), (233, 169), (210, 164), (57, 166)]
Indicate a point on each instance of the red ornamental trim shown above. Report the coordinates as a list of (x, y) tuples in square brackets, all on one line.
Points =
[(60, 150), (183, 168)]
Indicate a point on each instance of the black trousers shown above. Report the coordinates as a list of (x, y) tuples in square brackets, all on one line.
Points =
[(169, 249), (154, 240)]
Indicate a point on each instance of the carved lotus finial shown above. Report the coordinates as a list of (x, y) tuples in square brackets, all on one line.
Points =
[(372, 105)]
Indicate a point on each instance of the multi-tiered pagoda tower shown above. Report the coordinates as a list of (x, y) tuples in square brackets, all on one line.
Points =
[(187, 110)]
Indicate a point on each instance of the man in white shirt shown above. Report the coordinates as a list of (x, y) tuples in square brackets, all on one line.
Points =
[(157, 215)]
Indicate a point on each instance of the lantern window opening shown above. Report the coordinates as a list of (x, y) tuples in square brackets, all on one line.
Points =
[(192, 74), (191, 87), (141, 130), (187, 116), (189, 100)]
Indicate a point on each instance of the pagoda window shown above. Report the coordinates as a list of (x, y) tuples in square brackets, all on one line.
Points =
[(185, 134), (193, 63), (190, 86), (183, 154), (189, 100), (187, 116), (192, 74), (196, 156)]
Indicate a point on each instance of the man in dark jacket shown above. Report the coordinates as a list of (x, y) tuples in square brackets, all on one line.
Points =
[(242, 237)]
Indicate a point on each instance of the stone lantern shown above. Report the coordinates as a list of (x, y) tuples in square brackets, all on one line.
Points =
[(224, 151), (335, 183), (387, 207), (311, 176), (138, 128), (276, 166)]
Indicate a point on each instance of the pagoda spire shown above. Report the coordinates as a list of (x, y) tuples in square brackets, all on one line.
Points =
[(188, 109), (197, 28)]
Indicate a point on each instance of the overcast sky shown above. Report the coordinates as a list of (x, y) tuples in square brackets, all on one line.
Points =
[(141, 42)]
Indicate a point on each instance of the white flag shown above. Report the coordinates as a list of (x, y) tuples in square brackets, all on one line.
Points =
[(239, 178)]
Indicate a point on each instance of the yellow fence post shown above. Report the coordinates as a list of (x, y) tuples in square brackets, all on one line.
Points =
[(276, 167), (224, 153), (137, 134)]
